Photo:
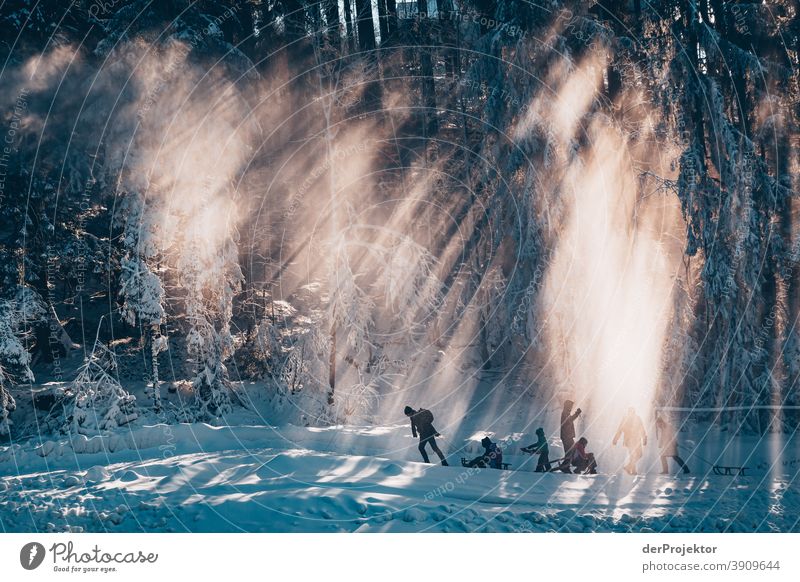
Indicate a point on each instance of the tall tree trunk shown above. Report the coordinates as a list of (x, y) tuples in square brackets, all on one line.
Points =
[(383, 20), (366, 29), (786, 277), (429, 119), (154, 349), (698, 105), (326, 102), (449, 31), (367, 45), (332, 19), (332, 366), (391, 17), (348, 22)]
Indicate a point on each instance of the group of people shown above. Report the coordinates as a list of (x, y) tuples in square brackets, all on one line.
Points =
[(422, 426), (576, 458), (634, 438)]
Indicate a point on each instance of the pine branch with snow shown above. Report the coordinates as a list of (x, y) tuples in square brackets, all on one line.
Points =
[(350, 306), (95, 400), (408, 278), (7, 404), (210, 282)]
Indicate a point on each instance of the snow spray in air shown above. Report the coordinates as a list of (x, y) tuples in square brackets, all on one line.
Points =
[(607, 297)]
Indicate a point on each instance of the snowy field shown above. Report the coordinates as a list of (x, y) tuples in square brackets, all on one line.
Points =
[(198, 478)]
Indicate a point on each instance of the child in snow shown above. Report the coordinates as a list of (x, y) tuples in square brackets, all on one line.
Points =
[(668, 445), (540, 446), (634, 438), (422, 423), (492, 456), (582, 461)]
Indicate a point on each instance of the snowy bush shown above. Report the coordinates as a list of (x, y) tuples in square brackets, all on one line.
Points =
[(261, 354), (359, 400), (410, 285), (7, 405), (95, 401), (15, 360)]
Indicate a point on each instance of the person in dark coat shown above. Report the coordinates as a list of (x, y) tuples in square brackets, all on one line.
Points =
[(492, 456), (422, 424), (540, 446), (668, 445), (634, 438), (582, 461), (568, 430)]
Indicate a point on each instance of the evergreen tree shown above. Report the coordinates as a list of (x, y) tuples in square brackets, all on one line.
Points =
[(95, 400)]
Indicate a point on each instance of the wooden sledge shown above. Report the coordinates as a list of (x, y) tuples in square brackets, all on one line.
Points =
[(724, 470), (504, 466)]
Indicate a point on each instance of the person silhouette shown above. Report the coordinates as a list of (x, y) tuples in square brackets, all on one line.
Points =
[(422, 424), (634, 438)]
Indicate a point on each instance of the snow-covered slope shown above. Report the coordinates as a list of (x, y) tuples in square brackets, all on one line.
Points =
[(260, 478)]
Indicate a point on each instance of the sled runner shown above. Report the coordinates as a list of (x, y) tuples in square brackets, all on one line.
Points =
[(724, 470), (504, 466)]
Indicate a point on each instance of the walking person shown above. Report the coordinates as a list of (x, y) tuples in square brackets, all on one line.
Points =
[(568, 429), (634, 438), (540, 446), (422, 424), (668, 445)]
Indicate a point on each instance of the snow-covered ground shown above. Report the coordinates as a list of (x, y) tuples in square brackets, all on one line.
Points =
[(200, 478)]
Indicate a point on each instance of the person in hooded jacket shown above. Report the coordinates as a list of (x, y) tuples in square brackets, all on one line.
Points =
[(492, 456), (583, 461), (422, 424), (540, 446)]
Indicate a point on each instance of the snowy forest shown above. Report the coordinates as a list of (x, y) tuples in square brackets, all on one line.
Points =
[(313, 214)]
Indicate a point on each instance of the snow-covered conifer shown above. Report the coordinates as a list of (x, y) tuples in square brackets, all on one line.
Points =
[(95, 400)]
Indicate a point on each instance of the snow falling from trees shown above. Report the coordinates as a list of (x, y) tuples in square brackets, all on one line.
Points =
[(593, 201)]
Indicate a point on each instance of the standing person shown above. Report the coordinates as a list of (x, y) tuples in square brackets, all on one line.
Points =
[(668, 444), (568, 430), (634, 438), (540, 446), (422, 423)]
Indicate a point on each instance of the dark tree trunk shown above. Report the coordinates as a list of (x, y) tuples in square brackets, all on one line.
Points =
[(614, 82), (695, 79), (383, 20), (348, 21), (367, 45), (332, 367), (391, 17), (366, 30), (429, 119), (449, 36), (332, 18)]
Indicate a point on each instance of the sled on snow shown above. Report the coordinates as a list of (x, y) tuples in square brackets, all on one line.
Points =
[(503, 466), (729, 470)]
